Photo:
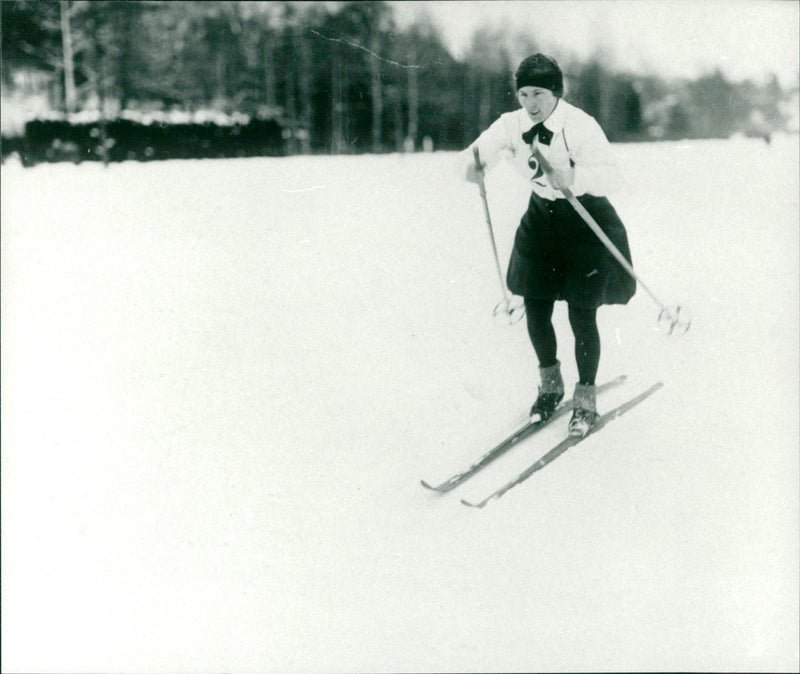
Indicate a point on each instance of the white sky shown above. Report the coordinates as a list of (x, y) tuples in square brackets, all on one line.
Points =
[(744, 38)]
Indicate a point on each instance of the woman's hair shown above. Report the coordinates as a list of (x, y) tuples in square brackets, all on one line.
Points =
[(542, 71)]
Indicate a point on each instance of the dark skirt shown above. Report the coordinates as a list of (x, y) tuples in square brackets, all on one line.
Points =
[(556, 255)]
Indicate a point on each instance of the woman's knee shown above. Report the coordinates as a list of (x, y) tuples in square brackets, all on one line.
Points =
[(583, 321)]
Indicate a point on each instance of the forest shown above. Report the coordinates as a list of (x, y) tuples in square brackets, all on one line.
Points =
[(334, 77)]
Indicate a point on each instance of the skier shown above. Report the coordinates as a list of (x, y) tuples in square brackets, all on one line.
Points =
[(555, 255)]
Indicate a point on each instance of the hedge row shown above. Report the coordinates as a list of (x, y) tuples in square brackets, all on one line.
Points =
[(124, 139)]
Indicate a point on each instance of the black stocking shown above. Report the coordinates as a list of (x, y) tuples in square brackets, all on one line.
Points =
[(587, 343), (539, 314)]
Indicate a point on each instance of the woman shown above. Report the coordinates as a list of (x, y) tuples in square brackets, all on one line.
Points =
[(556, 256)]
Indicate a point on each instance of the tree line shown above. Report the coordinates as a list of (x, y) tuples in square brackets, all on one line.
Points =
[(338, 76)]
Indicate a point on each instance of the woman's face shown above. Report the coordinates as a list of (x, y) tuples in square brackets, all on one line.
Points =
[(537, 102)]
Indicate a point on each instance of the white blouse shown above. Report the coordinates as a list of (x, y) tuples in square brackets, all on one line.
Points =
[(576, 136)]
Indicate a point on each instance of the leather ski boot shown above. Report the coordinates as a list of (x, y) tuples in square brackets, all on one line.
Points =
[(584, 410), (551, 392)]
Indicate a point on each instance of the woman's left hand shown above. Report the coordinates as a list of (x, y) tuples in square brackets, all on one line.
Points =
[(562, 177)]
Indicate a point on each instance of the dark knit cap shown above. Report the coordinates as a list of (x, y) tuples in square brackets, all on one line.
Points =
[(542, 71)]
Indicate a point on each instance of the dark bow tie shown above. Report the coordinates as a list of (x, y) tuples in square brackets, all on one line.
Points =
[(540, 130)]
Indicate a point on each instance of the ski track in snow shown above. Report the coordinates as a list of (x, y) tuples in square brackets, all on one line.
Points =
[(223, 380)]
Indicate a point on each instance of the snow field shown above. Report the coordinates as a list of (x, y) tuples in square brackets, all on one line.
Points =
[(223, 380)]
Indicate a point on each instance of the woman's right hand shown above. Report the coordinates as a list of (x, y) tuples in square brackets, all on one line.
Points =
[(475, 173)]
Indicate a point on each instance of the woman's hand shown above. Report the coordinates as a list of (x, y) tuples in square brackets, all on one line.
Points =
[(561, 178), (475, 174)]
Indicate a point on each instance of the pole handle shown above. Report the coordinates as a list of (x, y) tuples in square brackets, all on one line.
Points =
[(479, 170)]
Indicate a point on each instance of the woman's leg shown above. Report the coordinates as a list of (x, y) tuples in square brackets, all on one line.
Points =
[(539, 314), (587, 343)]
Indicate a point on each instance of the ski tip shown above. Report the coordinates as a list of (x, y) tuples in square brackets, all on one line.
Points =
[(472, 505), (616, 381), (427, 486)]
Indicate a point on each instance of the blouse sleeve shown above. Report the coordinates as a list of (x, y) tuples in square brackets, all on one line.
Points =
[(596, 171), (491, 144)]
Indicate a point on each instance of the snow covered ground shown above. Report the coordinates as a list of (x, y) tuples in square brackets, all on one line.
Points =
[(223, 380)]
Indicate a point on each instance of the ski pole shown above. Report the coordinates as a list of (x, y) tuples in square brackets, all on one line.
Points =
[(671, 316), (513, 312)]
